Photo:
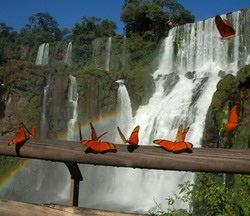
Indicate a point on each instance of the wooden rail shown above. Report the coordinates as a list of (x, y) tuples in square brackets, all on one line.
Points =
[(148, 157)]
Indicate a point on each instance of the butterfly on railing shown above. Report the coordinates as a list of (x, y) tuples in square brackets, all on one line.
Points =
[(179, 145), (95, 145), (22, 137), (225, 29), (133, 140), (233, 119)]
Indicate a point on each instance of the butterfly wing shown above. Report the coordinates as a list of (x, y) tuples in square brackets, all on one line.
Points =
[(184, 133), (33, 131), (166, 144), (178, 137), (233, 119), (80, 131), (93, 133), (106, 146), (21, 137), (182, 146), (225, 30), (133, 139), (98, 146), (122, 136)]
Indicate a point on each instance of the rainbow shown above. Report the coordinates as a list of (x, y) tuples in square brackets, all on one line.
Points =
[(15, 173), (85, 128)]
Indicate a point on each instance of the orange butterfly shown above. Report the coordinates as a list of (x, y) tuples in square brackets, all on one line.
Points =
[(98, 146), (93, 133), (94, 145), (33, 131), (233, 119), (22, 136), (133, 140), (179, 145), (224, 28)]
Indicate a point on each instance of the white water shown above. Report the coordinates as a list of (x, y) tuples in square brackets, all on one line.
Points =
[(42, 57), (125, 118), (108, 53), (73, 100), (68, 56), (44, 124), (185, 82)]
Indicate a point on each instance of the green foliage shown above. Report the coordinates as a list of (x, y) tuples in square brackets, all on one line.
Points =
[(8, 165), (211, 196), (184, 196), (143, 17), (152, 16), (83, 34)]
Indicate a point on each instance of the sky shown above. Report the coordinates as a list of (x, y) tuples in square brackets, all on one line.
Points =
[(67, 13)]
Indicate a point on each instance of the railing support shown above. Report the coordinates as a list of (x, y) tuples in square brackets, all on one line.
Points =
[(76, 177)]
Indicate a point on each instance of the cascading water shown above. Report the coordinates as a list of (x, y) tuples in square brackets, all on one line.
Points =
[(42, 57), (108, 53), (68, 56), (193, 60), (71, 131), (43, 126), (73, 100), (125, 118)]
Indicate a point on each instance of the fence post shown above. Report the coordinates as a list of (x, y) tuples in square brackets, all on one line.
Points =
[(76, 177)]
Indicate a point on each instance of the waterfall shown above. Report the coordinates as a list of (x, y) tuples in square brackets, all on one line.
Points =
[(125, 118), (108, 53), (188, 72), (42, 57), (43, 127), (73, 100), (68, 56)]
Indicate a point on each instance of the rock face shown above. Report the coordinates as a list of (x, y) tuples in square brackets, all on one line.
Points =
[(231, 90), (97, 97)]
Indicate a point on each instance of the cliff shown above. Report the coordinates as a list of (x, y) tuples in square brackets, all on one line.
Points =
[(231, 90)]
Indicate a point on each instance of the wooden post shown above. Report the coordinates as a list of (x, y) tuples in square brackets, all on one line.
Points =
[(76, 177)]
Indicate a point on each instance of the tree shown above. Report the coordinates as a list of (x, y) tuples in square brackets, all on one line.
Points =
[(7, 39), (107, 28), (85, 32), (183, 17), (142, 16), (43, 22), (171, 5)]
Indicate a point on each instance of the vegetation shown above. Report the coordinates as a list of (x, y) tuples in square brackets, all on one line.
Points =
[(145, 27), (210, 196)]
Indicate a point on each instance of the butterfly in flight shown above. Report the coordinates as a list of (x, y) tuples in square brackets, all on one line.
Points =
[(179, 145), (133, 140), (233, 119), (225, 29), (95, 145), (22, 137)]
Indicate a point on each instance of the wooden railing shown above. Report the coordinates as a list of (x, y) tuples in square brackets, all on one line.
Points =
[(148, 157), (144, 157)]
